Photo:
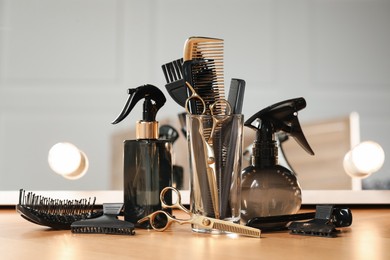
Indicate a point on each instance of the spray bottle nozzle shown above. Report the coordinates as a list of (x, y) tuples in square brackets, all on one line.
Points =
[(147, 128), (282, 116), (149, 92)]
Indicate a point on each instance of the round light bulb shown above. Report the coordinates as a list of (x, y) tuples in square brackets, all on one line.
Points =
[(67, 160), (364, 159)]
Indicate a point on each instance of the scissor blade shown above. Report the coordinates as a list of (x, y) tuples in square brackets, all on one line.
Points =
[(212, 179), (212, 223), (236, 228)]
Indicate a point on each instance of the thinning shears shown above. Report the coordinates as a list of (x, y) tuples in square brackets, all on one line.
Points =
[(160, 220)]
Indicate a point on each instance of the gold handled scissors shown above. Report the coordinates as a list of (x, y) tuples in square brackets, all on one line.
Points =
[(217, 105), (206, 135), (196, 219), (196, 96), (218, 119), (221, 105)]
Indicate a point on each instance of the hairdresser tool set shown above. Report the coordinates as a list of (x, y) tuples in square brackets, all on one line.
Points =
[(224, 198)]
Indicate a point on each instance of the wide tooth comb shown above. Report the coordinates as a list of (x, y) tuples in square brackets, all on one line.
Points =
[(203, 69)]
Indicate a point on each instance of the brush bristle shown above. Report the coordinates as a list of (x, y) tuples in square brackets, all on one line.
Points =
[(173, 71), (55, 213)]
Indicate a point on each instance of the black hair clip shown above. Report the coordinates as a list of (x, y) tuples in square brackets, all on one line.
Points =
[(324, 224), (108, 223), (321, 222)]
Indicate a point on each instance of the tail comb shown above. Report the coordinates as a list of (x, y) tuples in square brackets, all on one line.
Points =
[(108, 223)]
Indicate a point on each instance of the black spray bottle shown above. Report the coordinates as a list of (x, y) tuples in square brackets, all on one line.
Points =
[(267, 188), (147, 160)]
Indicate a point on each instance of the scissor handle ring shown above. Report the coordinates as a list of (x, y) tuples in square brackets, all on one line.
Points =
[(154, 215), (177, 204), (194, 96), (162, 197), (228, 107)]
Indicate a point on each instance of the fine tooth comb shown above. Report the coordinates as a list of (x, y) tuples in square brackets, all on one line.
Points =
[(55, 213), (173, 72), (203, 69), (108, 223)]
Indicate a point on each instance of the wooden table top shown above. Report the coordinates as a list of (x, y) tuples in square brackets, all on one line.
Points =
[(367, 238)]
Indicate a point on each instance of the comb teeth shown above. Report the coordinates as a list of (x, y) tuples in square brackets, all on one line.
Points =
[(103, 230), (332, 233), (173, 71), (207, 74), (238, 229)]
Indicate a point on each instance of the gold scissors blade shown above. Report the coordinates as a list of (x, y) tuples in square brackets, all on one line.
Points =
[(226, 226), (210, 171)]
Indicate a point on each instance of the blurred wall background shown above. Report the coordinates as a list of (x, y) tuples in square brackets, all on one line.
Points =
[(65, 66)]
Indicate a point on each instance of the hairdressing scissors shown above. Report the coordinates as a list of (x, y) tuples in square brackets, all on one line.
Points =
[(206, 134), (196, 219), (220, 103)]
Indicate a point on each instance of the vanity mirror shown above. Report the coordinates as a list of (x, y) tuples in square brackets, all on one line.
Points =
[(65, 67)]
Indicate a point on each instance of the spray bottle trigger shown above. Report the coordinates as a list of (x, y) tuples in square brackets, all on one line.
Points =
[(297, 134), (283, 116), (149, 92)]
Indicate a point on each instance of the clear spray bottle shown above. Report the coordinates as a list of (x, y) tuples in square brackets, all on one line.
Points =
[(267, 188)]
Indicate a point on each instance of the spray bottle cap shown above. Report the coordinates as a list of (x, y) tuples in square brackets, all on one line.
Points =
[(147, 128), (282, 116)]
